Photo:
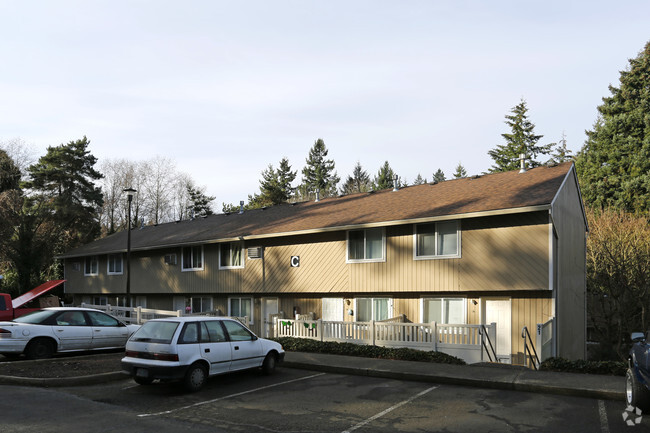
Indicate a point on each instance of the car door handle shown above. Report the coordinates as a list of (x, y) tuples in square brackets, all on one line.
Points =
[(207, 350), (98, 330), (236, 347)]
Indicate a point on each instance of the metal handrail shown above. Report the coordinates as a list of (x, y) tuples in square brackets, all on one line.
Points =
[(527, 350), (491, 351)]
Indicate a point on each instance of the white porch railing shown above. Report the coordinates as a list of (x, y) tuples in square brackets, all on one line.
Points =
[(139, 315), (545, 339), (463, 341)]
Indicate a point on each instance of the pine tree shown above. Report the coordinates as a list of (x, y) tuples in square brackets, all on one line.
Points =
[(614, 163), (419, 180), (560, 152), (460, 171), (199, 202), (275, 185), (319, 173), (439, 176), (385, 177), (9, 173), (358, 182), (521, 140)]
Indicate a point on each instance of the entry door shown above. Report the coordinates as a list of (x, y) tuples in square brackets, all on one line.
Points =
[(269, 306), (499, 311), (332, 309)]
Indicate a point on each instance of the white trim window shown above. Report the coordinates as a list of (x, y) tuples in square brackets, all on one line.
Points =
[(231, 255), (100, 300), (368, 309), (241, 307), (91, 266), (114, 266), (192, 258), (437, 240), (444, 310), (367, 245)]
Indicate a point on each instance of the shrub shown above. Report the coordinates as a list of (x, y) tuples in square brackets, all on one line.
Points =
[(612, 368), (333, 348)]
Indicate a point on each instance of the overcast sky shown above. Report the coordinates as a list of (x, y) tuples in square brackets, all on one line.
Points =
[(224, 88)]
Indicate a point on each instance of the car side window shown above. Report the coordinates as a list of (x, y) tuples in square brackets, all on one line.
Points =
[(237, 332), (190, 333), (213, 331), (101, 319), (71, 318)]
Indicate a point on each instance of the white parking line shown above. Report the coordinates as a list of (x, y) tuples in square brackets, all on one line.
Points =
[(229, 396), (390, 409), (602, 413)]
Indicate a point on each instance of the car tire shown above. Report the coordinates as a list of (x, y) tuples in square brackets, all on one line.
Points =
[(39, 349), (635, 393), (143, 380), (268, 366), (195, 377)]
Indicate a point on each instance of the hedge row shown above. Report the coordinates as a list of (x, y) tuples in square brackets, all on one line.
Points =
[(403, 354), (612, 368)]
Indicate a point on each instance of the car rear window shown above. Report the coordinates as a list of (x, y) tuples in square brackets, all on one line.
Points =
[(156, 332), (35, 317)]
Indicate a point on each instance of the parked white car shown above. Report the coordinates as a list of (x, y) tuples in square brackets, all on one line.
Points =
[(62, 329), (191, 349)]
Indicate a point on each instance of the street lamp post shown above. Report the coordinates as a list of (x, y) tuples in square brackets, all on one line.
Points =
[(130, 192)]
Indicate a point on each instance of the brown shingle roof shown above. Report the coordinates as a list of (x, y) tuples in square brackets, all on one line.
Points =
[(498, 192)]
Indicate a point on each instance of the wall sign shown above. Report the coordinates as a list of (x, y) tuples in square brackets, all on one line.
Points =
[(295, 261)]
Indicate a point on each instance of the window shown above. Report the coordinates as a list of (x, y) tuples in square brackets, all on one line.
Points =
[(193, 258), (114, 264), (241, 307), (374, 309), (91, 267), (437, 240), (101, 319), (212, 331), (230, 255), (366, 245), (237, 332), (443, 310), (100, 300)]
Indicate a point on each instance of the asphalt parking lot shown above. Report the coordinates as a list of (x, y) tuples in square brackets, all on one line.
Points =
[(296, 400)]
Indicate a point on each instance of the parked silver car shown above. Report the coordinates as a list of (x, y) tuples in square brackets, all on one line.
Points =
[(191, 349), (62, 329)]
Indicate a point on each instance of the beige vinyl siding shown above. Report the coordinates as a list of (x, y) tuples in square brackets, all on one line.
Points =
[(505, 253), (528, 312)]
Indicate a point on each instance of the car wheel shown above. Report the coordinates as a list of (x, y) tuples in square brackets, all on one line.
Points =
[(195, 377), (268, 366), (635, 393), (143, 380), (39, 349)]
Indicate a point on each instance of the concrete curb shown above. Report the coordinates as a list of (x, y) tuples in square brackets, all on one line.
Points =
[(512, 384), (63, 381)]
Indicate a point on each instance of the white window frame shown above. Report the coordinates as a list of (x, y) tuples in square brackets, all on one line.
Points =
[(193, 268), (92, 259), (103, 300), (240, 298), (233, 245), (364, 260), (442, 299), (109, 261), (417, 256), (372, 306)]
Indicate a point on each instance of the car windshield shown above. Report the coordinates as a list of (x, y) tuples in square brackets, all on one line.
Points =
[(156, 332), (34, 317)]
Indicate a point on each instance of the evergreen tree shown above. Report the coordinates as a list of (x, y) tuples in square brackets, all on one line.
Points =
[(560, 152), (199, 202), (460, 171), (63, 181), (521, 140), (614, 163), (439, 176), (275, 186), (419, 180), (385, 177), (9, 173), (358, 182), (319, 173)]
